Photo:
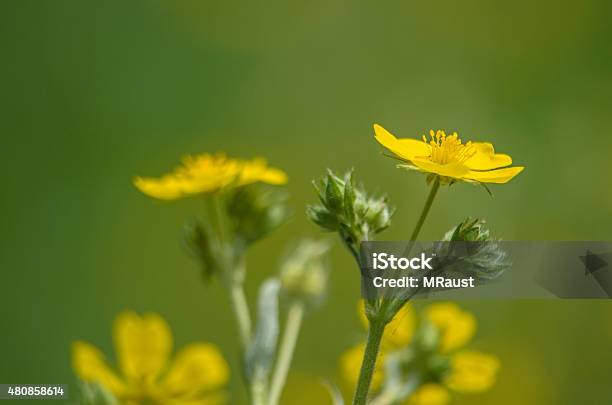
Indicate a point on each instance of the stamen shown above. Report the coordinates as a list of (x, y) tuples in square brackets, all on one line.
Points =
[(448, 149)]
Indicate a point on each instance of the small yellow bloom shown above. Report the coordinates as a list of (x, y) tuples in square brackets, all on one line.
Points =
[(468, 372), (449, 158), (143, 345), (207, 173), (399, 331), (472, 371), (456, 326), (429, 394)]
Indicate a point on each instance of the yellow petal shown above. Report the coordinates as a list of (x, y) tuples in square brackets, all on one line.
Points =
[(456, 326), (499, 176), (89, 365), (350, 365), (399, 331), (257, 170), (429, 394), (197, 367), (472, 371), (274, 176), (453, 170), (213, 399), (143, 345), (404, 148), (485, 158), (166, 188)]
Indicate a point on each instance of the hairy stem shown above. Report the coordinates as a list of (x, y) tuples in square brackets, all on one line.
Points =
[(369, 362)]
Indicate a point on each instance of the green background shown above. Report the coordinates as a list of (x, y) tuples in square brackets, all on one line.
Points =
[(94, 93)]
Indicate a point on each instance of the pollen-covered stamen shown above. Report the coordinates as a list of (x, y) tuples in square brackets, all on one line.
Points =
[(448, 149)]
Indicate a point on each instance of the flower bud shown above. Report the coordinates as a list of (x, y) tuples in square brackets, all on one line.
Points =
[(349, 210), (303, 273), (256, 210), (470, 250), (470, 230)]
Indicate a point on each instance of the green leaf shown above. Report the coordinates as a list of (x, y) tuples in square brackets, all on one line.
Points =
[(261, 348), (349, 199), (333, 195)]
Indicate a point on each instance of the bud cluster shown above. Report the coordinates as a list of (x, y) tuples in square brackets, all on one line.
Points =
[(347, 209)]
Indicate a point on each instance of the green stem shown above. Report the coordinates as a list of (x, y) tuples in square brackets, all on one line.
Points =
[(369, 362), (426, 208), (233, 273), (241, 312), (285, 353)]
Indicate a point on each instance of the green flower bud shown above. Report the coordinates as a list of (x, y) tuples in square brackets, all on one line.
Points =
[(470, 230), (470, 250), (303, 273), (347, 208), (256, 210)]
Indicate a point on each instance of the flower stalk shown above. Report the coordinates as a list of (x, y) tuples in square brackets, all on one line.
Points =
[(368, 365), (232, 274), (295, 316), (428, 203), (242, 315)]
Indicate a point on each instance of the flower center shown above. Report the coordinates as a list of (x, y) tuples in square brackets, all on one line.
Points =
[(448, 149)]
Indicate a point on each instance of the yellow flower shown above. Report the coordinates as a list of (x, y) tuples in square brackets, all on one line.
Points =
[(207, 173), (429, 394), (455, 326), (449, 158), (472, 371), (399, 331), (468, 372), (143, 346)]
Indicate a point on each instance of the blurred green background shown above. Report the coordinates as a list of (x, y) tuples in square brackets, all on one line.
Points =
[(94, 93)]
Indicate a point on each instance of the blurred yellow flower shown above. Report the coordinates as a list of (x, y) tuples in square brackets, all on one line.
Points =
[(472, 371), (207, 173), (399, 331), (468, 371), (455, 326), (143, 346), (446, 156), (429, 394)]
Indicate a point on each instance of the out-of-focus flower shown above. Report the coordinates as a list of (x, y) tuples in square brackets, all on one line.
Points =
[(472, 371), (399, 330), (398, 334), (455, 326), (206, 173), (429, 394), (428, 347), (450, 159), (143, 345)]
